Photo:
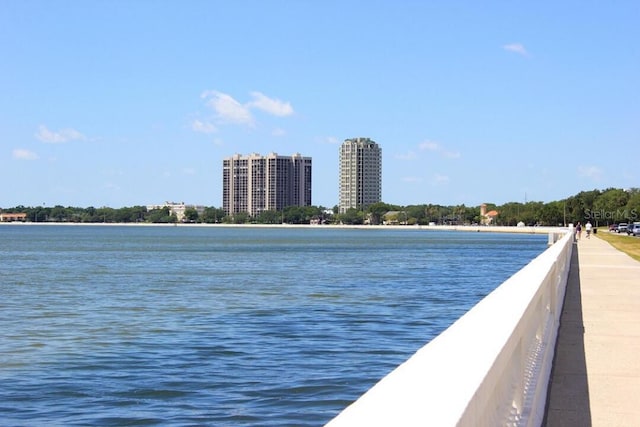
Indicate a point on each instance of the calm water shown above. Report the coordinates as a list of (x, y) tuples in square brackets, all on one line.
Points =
[(225, 326)]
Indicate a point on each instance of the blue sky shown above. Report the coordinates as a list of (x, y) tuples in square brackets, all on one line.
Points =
[(120, 103)]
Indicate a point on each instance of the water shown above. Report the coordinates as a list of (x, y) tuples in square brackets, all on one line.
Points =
[(225, 326)]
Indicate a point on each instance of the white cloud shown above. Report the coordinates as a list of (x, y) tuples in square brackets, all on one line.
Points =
[(228, 109), (63, 135), (406, 156), (278, 132), (440, 179), (272, 106), (22, 154), (411, 179), (111, 186), (429, 145), (451, 154), (516, 48), (189, 171), (114, 172), (437, 148), (593, 172), (328, 140), (203, 127)]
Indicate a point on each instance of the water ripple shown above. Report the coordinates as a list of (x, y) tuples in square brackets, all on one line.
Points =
[(212, 326)]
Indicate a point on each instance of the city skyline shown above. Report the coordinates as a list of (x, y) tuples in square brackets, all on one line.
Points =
[(119, 104)]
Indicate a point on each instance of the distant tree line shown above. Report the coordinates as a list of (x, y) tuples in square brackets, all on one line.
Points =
[(601, 207)]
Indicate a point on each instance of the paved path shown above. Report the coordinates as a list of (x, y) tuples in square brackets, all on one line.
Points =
[(596, 373)]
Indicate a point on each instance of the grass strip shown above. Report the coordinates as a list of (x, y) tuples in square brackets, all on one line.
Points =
[(628, 244)]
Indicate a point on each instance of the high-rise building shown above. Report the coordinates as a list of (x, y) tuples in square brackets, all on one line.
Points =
[(360, 174), (256, 183)]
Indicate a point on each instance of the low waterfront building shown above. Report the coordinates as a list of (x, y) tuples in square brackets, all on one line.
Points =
[(11, 217), (487, 218), (177, 209)]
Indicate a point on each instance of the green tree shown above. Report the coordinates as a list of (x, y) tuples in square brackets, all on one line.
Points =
[(583, 204), (105, 214), (416, 214), (240, 218), (300, 214), (352, 217), (190, 215), (293, 215), (58, 213), (432, 213), (574, 210), (89, 214), (161, 216), (509, 213), (552, 214), (632, 208), (129, 214), (376, 212), (213, 215), (269, 217)]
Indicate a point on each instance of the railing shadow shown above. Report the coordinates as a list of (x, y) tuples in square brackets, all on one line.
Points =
[(568, 394)]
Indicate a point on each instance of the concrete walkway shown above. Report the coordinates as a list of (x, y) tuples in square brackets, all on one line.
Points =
[(596, 373)]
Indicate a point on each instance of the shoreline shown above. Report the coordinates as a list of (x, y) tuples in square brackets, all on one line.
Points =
[(467, 228)]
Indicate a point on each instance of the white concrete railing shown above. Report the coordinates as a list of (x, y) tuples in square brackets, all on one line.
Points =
[(490, 368)]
